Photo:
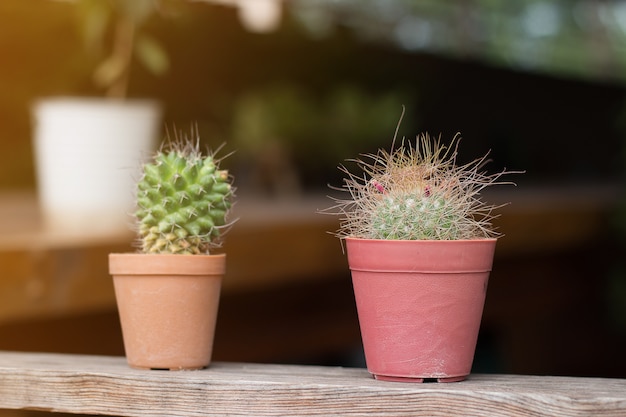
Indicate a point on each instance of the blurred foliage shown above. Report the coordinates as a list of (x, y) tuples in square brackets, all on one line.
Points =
[(574, 38), (331, 80), (115, 29), (315, 132)]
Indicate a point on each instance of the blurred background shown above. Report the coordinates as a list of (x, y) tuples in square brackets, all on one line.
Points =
[(296, 87)]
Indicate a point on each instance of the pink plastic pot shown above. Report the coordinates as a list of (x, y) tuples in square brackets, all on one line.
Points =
[(420, 305)]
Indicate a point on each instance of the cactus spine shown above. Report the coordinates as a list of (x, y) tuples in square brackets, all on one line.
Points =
[(183, 200), (416, 192)]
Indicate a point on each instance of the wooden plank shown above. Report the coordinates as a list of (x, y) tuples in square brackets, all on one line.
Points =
[(106, 385)]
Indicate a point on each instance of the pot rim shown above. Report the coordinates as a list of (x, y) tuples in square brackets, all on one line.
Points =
[(424, 256), (432, 241), (166, 264)]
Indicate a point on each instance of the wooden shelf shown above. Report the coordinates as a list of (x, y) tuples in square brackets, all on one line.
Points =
[(82, 384), (50, 273)]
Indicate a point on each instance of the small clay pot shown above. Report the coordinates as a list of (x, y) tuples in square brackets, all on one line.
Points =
[(168, 307)]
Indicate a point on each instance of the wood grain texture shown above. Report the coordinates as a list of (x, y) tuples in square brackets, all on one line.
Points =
[(106, 385)]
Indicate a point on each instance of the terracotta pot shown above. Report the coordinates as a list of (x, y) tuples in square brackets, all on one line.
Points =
[(168, 307), (420, 305)]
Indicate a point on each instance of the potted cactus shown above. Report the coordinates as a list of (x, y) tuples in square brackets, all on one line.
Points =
[(103, 138), (168, 293), (420, 247)]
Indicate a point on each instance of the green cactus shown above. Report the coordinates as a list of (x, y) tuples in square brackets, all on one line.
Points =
[(416, 192), (394, 218), (183, 199)]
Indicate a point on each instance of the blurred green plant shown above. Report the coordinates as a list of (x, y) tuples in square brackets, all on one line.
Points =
[(314, 129), (120, 26)]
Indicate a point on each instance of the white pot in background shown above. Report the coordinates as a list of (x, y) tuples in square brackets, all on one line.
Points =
[(88, 153)]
